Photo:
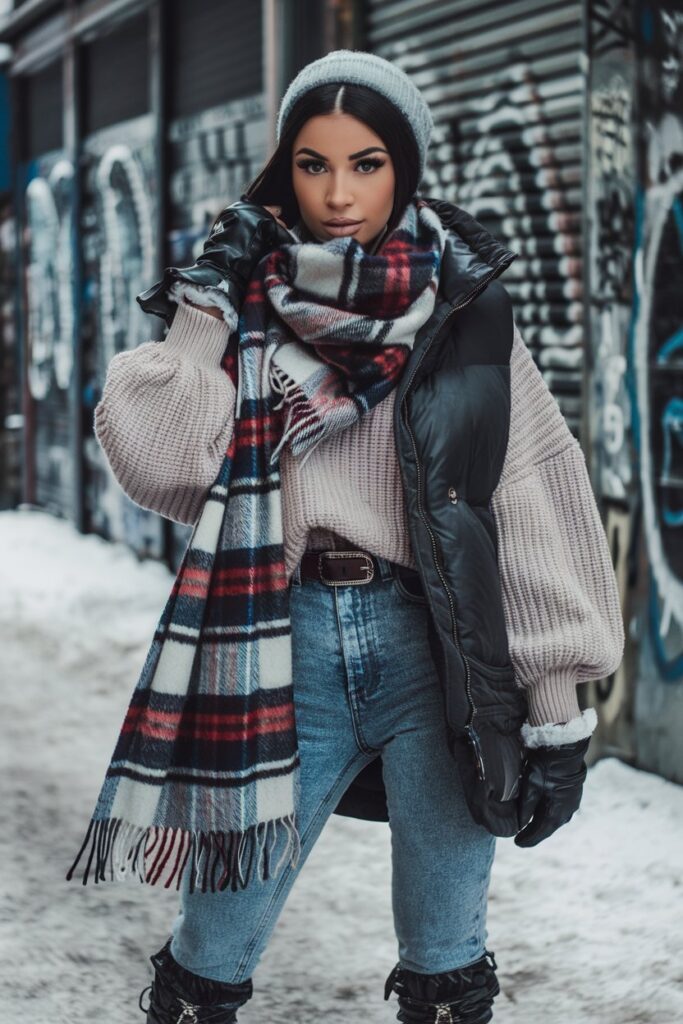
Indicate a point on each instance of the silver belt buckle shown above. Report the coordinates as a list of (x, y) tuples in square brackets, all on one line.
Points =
[(369, 568)]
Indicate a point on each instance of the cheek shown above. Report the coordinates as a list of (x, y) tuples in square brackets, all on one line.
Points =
[(301, 194), (385, 195), (296, 185), (307, 191)]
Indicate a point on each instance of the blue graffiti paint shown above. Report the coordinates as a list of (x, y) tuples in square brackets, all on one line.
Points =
[(630, 376), (669, 346), (672, 427), (672, 414), (647, 24), (677, 210), (5, 160), (670, 669)]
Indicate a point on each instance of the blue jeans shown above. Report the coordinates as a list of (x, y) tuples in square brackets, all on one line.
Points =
[(364, 684)]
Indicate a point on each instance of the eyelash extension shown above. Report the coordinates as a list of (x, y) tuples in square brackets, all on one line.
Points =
[(305, 164)]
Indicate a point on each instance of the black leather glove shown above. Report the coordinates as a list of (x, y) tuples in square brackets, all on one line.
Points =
[(550, 790), (240, 236)]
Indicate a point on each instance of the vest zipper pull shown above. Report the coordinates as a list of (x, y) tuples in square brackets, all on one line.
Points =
[(473, 740)]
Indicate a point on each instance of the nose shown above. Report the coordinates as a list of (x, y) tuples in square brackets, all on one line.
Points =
[(339, 194)]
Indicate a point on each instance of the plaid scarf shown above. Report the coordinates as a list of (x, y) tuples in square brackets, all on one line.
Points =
[(205, 773)]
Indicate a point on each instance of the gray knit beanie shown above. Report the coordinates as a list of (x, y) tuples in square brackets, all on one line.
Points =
[(362, 68)]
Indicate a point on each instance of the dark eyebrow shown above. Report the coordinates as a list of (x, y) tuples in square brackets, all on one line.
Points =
[(352, 156)]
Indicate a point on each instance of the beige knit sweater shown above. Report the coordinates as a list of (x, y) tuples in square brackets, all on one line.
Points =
[(165, 419)]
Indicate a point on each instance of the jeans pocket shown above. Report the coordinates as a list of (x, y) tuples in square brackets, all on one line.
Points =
[(408, 585)]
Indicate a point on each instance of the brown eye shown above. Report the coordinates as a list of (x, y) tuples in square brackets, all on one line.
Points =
[(374, 163), (305, 164)]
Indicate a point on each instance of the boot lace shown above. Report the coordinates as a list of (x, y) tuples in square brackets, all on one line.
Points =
[(445, 1013), (188, 1013)]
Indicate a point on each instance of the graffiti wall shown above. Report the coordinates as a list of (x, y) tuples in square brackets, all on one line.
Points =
[(217, 130), (560, 128), (90, 236), (505, 88), (610, 240), (118, 253), (11, 419), (658, 379), (49, 327), (213, 155)]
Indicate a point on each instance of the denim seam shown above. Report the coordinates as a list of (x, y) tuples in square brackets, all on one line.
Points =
[(355, 710), (274, 900), (411, 966), (419, 599)]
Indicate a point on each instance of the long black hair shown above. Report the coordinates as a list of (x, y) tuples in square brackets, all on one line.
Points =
[(273, 185)]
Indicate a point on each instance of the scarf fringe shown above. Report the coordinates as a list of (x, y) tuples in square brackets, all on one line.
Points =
[(154, 853), (297, 402)]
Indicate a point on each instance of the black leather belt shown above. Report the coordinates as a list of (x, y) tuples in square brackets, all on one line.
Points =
[(338, 568)]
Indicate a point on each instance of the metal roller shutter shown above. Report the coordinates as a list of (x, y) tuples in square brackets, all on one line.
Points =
[(116, 76), (43, 130), (215, 53), (44, 179), (119, 180), (217, 130), (504, 83)]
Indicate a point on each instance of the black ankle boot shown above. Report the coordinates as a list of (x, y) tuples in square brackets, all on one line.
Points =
[(461, 996), (177, 996)]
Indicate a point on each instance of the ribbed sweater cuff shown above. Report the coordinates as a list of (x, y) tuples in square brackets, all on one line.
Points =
[(196, 336), (553, 699)]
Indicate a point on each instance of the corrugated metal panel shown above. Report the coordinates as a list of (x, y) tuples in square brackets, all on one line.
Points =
[(116, 74), (48, 328), (218, 134), (118, 215), (5, 176), (656, 378), (610, 241), (44, 178), (215, 53), (11, 419), (217, 131), (43, 105), (504, 83)]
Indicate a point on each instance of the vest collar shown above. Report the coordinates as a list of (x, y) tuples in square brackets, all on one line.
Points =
[(471, 252)]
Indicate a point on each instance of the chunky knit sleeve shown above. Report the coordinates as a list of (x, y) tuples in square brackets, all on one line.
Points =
[(166, 415), (560, 593)]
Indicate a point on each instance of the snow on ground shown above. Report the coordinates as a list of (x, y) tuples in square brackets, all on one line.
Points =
[(586, 927)]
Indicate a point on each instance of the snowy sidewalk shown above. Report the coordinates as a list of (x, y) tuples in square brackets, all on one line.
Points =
[(586, 928)]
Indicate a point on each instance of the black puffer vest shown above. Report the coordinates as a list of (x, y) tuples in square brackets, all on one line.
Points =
[(452, 419)]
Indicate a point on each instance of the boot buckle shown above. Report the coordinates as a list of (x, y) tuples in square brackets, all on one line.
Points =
[(189, 1011), (389, 983)]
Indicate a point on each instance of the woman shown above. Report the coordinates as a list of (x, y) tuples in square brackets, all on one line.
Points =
[(397, 574)]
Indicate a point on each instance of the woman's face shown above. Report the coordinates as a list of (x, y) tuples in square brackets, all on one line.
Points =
[(341, 170)]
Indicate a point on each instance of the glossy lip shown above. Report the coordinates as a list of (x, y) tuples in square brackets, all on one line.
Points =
[(341, 223), (342, 230)]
